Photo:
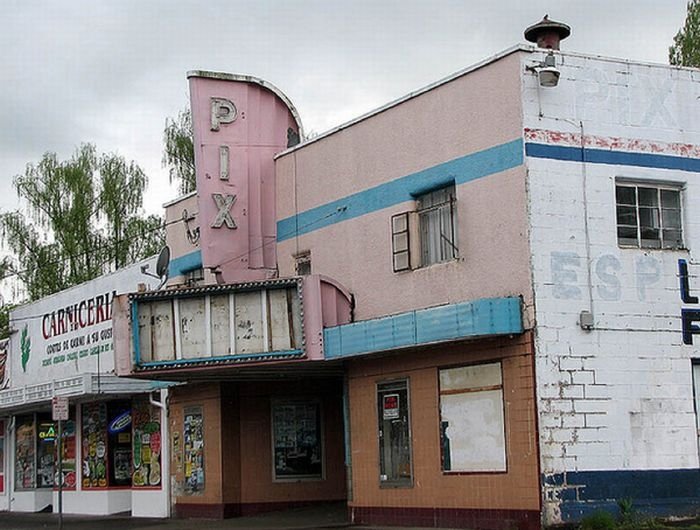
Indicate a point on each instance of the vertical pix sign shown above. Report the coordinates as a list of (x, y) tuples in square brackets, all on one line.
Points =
[(239, 124)]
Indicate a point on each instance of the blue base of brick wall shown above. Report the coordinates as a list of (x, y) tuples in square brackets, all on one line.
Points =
[(663, 493)]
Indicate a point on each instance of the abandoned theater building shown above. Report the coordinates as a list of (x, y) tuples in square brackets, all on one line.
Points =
[(476, 306)]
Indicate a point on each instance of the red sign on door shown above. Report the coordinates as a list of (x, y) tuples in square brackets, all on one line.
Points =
[(391, 406)]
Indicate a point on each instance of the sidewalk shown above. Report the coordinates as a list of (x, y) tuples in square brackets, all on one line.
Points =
[(312, 518)]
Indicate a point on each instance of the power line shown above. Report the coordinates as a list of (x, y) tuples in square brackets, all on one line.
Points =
[(87, 252), (286, 235)]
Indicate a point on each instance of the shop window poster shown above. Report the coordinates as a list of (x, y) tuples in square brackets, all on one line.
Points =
[(94, 436), (147, 445), (193, 434), (25, 453), (45, 454), (68, 457)]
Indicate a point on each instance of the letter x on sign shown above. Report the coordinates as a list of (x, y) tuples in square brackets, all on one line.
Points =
[(223, 203)]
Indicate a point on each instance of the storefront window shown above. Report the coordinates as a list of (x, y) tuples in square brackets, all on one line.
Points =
[(94, 442), (297, 440), (45, 451), (394, 435), (147, 444), (119, 443), (68, 458), (106, 444), (25, 456), (36, 452)]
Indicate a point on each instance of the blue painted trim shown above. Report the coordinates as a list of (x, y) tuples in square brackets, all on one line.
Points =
[(485, 317), (186, 263), (608, 156), (135, 332), (189, 362), (655, 492), (459, 171)]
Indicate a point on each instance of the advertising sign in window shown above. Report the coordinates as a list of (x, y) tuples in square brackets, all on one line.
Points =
[(147, 446), (94, 438), (45, 452), (25, 456), (68, 457)]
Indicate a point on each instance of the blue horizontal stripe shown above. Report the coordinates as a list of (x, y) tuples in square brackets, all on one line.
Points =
[(186, 263), (485, 317), (461, 170), (607, 156)]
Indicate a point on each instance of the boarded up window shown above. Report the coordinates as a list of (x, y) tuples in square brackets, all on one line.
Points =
[(472, 423), (225, 323)]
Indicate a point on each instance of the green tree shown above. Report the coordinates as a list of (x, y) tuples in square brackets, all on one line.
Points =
[(178, 150), (685, 50), (83, 220)]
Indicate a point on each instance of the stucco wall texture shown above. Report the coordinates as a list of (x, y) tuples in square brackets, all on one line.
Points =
[(466, 115)]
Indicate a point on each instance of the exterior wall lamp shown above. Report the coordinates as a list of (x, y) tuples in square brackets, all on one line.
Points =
[(547, 34), (547, 72)]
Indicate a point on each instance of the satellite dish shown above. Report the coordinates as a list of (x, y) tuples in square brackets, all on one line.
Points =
[(162, 264)]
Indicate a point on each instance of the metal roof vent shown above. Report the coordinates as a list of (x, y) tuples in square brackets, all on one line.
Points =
[(547, 33)]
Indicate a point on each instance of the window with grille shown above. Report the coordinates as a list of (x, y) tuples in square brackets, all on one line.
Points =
[(648, 216), (428, 234), (436, 218)]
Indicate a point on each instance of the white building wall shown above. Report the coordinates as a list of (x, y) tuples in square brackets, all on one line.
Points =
[(619, 397)]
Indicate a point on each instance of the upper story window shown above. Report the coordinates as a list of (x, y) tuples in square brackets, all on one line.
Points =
[(427, 235), (194, 277), (648, 216), (438, 227)]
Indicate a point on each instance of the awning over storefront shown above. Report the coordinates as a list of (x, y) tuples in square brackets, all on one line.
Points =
[(81, 387), (487, 317)]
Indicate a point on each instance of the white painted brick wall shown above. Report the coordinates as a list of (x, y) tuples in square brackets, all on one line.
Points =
[(621, 396)]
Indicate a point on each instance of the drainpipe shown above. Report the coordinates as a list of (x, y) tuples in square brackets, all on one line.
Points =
[(155, 403), (346, 435), (164, 447)]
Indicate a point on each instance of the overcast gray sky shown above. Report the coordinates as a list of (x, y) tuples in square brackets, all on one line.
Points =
[(110, 72)]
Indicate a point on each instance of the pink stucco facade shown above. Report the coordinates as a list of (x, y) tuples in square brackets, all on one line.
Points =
[(465, 117), (239, 124)]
